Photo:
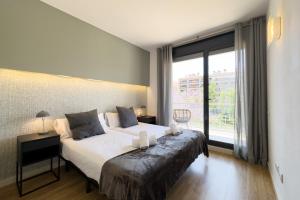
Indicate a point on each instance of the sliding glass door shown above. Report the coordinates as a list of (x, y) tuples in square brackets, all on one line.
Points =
[(203, 91), (221, 95), (188, 90)]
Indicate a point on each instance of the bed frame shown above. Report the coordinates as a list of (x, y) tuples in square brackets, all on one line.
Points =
[(89, 181)]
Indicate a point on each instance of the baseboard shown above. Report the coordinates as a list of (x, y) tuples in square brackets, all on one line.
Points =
[(272, 180), (12, 179), (220, 150)]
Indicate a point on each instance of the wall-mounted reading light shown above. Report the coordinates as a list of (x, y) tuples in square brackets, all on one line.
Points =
[(274, 29)]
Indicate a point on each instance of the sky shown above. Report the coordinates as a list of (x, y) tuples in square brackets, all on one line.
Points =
[(193, 66)]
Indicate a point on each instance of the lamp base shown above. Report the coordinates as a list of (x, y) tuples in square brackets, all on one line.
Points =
[(44, 133)]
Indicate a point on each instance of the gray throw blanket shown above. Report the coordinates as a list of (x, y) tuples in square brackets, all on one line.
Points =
[(149, 174)]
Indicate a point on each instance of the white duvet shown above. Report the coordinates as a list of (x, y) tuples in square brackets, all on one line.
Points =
[(158, 131), (90, 154)]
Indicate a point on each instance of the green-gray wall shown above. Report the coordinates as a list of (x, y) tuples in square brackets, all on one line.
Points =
[(39, 38)]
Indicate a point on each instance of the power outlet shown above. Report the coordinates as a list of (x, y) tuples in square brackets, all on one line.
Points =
[(278, 172), (281, 178)]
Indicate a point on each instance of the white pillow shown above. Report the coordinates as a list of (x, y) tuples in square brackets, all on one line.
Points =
[(62, 128), (102, 121), (112, 119)]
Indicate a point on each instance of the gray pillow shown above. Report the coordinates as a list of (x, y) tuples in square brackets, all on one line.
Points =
[(127, 117), (85, 124)]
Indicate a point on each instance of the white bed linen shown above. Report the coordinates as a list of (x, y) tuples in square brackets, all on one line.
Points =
[(158, 131), (90, 154)]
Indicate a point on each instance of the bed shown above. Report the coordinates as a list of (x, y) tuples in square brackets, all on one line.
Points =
[(124, 172)]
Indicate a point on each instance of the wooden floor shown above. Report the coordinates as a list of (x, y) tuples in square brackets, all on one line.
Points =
[(217, 177)]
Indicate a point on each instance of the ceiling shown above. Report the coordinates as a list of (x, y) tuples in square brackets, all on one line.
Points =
[(152, 23)]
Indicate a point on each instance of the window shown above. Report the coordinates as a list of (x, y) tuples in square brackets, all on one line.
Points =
[(204, 82)]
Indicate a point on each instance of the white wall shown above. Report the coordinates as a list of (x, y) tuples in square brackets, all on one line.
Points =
[(284, 100), (152, 90)]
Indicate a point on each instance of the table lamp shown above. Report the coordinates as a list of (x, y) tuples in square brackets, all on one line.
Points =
[(141, 111), (42, 114)]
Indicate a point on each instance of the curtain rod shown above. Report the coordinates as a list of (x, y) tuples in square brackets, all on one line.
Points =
[(203, 36), (208, 35)]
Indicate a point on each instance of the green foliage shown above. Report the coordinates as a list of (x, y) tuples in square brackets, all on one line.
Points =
[(226, 106), (221, 106), (213, 95)]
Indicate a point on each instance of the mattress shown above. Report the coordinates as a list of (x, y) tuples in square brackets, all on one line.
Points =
[(159, 131), (90, 154)]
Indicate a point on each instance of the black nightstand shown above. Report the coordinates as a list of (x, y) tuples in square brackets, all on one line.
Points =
[(147, 119), (34, 148)]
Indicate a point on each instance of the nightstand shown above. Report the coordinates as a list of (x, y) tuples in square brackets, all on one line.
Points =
[(147, 119), (33, 148)]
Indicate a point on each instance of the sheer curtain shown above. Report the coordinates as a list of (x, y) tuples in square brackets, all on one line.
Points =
[(164, 76), (241, 137), (251, 134)]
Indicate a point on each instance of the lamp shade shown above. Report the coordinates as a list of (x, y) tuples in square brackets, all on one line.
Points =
[(140, 111), (42, 114)]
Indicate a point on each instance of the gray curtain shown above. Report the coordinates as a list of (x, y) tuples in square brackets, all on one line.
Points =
[(251, 134), (164, 76)]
